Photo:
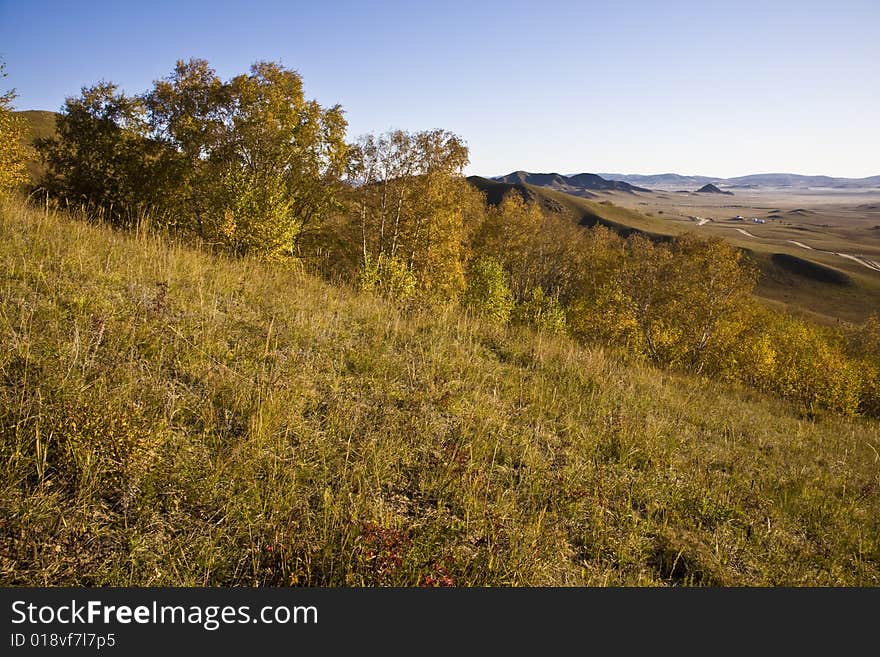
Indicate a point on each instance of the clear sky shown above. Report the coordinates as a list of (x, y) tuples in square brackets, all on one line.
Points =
[(713, 88)]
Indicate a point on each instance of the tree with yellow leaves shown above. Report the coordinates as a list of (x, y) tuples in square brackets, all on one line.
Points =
[(681, 295), (412, 204), (13, 152), (248, 164)]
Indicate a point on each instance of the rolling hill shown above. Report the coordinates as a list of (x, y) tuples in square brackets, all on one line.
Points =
[(807, 283), (582, 210), (803, 288), (709, 188), (40, 125), (581, 184), (674, 181)]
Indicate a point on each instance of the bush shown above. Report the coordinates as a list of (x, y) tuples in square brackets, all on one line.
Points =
[(388, 276), (487, 293), (542, 311), (805, 363)]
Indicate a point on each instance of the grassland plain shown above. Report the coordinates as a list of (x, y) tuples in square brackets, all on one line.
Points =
[(169, 417), (833, 230)]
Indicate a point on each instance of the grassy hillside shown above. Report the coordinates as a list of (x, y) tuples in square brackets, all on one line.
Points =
[(172, 418), (826, 287), (40, 124), (581, 210)]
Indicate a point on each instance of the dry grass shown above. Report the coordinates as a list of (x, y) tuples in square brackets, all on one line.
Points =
[(168, 417)]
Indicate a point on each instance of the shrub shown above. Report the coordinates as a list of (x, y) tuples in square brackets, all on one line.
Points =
[(389, 277), (542, 311), (487, 292)]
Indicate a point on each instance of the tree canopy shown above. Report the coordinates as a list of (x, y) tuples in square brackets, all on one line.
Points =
[(248, 164)]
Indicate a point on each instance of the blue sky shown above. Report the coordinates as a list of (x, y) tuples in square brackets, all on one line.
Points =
[(713, 88)]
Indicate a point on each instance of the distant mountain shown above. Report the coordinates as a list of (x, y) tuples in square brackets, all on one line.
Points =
[(801, 182), (582, 184), (661, 180), (581, 210), (674, 181), (539, 179), (585, 184), (709, 188), (595, 181)]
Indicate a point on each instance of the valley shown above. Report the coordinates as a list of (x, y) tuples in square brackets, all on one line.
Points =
[(837, 231), (818, 249)]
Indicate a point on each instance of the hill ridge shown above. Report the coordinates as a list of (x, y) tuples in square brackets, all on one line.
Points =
[(674, 181), (581, 184)]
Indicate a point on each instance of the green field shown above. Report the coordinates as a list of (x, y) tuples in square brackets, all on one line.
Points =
[(169, 417)]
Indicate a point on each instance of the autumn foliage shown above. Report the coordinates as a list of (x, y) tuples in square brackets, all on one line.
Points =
[(249, 166), (12, 152)]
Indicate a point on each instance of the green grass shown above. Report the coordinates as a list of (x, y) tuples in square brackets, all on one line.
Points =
[(168, 417)]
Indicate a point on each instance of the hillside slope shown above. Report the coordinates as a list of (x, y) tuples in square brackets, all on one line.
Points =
[(581, 210), (173, 418), (581, 184), (40, 125)]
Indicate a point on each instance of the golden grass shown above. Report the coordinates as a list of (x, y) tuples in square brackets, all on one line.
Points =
[(168, 417)]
